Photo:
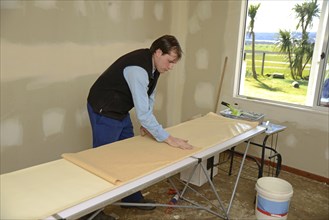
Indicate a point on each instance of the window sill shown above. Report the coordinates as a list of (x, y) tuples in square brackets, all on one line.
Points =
[(306, 109)]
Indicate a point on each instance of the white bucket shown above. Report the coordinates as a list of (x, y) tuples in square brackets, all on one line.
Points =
[(273, 198)]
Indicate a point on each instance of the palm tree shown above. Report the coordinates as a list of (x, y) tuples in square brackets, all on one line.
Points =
[(299, 50), (305, 13), (252, 11), (285, 45)]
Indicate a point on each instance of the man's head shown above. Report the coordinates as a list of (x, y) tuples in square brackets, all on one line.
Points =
[(166, 52)]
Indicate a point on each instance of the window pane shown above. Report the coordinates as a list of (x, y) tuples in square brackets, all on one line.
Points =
[(278, 50)]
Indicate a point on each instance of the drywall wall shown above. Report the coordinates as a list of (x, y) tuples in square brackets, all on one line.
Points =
[(52, 51), (204, 56)]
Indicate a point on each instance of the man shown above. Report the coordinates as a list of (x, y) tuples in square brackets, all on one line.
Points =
[(130, 82)]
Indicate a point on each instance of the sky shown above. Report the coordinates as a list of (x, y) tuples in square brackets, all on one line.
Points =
[(273, 15)]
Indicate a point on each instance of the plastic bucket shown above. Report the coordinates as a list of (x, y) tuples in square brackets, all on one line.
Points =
[(273, 198)]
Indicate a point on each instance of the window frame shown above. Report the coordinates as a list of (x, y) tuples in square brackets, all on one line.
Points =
[(317, 78), (323, 62)]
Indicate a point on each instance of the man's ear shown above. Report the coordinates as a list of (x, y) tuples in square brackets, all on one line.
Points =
[(159, 52)]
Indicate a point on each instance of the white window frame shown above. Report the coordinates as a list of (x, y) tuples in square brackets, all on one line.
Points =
[(315, 80)]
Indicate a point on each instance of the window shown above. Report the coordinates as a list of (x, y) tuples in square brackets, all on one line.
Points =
[(284, 52)]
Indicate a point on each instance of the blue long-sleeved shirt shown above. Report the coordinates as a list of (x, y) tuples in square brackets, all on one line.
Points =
[(137, 79)]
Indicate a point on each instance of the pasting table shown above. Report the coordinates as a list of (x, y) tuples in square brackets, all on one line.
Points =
[(81, 183)]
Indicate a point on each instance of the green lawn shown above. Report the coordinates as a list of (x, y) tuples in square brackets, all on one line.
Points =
[(262, 47), (275, 89), (266, 87)]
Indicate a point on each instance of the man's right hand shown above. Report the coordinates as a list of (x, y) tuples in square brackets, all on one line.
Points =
[(178, 142)]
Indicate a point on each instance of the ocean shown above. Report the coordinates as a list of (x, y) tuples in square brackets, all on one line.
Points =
[(272, 38)]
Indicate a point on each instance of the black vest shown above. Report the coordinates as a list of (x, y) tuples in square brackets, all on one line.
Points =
[(110, 95)]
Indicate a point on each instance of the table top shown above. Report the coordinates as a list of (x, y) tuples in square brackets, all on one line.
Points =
[(272, 128), (61, 189)]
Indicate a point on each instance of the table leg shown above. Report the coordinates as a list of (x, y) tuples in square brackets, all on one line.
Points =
[(232, 151)]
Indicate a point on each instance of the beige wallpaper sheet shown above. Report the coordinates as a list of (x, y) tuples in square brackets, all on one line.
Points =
[(40, 191), (126, 160)]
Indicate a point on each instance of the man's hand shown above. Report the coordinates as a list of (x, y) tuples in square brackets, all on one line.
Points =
[(172, 141), (179, 143)]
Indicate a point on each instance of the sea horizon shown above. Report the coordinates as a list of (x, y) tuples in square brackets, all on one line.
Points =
[(273, 37)]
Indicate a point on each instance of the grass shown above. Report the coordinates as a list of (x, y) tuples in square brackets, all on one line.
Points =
[(266, 87), (275, 89), (262, 47)]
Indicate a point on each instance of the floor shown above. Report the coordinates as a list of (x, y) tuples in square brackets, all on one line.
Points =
[(309, 201)]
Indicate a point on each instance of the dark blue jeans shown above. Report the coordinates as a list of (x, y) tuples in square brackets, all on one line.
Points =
[(107, 130)]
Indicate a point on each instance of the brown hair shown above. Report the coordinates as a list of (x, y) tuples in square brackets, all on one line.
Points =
[(166, 44)]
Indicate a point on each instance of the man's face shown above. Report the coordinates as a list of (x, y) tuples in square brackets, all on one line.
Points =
[(164, 62)]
